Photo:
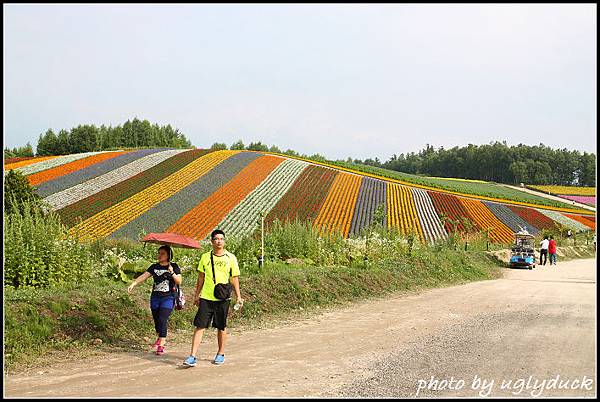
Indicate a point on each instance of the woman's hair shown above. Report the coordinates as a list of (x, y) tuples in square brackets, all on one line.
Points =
[(169, 251)]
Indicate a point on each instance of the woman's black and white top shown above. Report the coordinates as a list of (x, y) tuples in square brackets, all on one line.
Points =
[(163, 279)]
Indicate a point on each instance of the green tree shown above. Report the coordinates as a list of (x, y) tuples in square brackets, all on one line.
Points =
[(519, 170), (238, 146), (219, 146), (17, 188)]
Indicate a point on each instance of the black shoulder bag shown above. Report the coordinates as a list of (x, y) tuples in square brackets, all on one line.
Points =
[(222, 290)]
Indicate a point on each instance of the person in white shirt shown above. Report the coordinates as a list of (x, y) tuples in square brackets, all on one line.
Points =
[(544, 250)]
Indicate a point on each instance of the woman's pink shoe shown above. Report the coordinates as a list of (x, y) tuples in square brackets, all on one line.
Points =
[(156, 344), (160, 350)]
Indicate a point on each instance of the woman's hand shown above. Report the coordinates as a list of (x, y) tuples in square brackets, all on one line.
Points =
[(130, 288)]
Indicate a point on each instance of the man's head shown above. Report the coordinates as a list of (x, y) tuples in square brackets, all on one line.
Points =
[(217, 238), (545, 237), (551, 237)]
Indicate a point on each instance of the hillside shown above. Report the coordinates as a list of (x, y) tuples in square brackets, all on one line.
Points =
[(120, 194)]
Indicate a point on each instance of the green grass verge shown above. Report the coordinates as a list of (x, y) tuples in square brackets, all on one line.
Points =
[(38, 321)]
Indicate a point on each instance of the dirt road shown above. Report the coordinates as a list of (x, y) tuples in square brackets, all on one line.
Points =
[(550, 197), (538, 323)]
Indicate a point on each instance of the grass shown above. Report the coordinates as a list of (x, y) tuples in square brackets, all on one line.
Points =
[(39, 322)]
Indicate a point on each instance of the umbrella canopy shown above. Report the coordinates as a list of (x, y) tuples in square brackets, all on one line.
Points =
[(171, 239)]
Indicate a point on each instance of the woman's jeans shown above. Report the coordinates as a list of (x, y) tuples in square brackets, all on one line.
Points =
[(552, 258), (162, 307)]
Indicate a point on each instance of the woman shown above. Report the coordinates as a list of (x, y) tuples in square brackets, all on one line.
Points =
[(166, 275)]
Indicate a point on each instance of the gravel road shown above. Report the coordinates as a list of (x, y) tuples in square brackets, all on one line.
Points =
[(528, 326)]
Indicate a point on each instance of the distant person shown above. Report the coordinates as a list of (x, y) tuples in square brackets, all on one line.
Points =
[(223, 265), (544, 250), (569, 233), (552, 250), (166, 274), (594, 241)]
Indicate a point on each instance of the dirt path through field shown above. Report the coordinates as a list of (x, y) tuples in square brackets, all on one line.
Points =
[(538, 323), (551, 197)]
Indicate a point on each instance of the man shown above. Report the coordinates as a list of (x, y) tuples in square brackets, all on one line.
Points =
[(544, 250), (552, 250), (211, 309)]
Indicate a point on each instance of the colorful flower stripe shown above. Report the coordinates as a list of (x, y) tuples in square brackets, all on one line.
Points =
[(305, 197), (107, 197), (17, 159), (430, 221), (53, 173), (533, 217), (563, 220), (582, 219), (428, 188), (582, 199), (510, 218), (162, 216), (112, 218), (57, 161), (244, 218), (448, 205), (486, 220), (88, 188), (28, 162), (371, 195), (567, 190), (401, 210), (202, 219), (71, 180), (338, 208)]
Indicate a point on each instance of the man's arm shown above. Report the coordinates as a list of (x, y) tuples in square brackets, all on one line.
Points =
[(199, 284), (235, 281)]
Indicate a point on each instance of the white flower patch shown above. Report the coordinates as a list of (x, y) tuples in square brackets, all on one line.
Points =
[(430, 221), (565, 221), (54, 162), (76, 193), (244, 218)]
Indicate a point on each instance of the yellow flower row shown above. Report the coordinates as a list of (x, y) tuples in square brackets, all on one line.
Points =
[(479, 197), (401, 210), (338, 208), (111, 219), (567, 190), (485, 219)]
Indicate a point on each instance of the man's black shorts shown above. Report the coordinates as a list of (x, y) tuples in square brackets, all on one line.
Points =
[(215, 311)]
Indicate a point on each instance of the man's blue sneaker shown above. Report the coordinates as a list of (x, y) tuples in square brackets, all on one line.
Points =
[(219, 359), (190, 361)]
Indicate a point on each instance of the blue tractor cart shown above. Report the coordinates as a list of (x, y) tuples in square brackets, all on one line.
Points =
[(523, 252)]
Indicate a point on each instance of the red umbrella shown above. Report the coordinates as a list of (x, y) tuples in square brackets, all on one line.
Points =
[(171, 239)]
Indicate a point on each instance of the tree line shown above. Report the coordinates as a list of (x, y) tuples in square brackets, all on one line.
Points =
[(134, 133), (498, 162)]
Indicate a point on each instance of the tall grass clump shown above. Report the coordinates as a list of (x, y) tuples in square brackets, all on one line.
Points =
[(38, 250)]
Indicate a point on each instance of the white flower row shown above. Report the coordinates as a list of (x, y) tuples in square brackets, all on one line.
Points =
[(430, 221), (76, 193), (244, 218), (564, 220), (54, 162)]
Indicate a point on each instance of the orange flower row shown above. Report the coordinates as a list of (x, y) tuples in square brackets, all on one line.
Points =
[(28, 162), (204, 217), (401, 210), (485, 219), (58, 171), (338, 208), (582, 219)]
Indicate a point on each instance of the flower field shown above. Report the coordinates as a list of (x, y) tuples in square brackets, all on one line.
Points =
[(25, 162), (582, 199), (305, 197), (203, 218), (80, 191), (338, 208), (165, 214), (371, 195), (244, 218), (45, 175), (112, 218), (510, 218), (101, 194), (8, 161), (401, 210), (564, 220), (430, 222), (486, 220), (120, 194), (566, 190), (448, 206)]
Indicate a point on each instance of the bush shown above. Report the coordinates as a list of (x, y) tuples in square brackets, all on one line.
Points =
[(38, 251), (17, 191)]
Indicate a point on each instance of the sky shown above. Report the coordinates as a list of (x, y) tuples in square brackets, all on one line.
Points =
[(342, 80)]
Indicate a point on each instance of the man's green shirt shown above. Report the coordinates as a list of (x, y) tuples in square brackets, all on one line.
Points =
[(223, 266)]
